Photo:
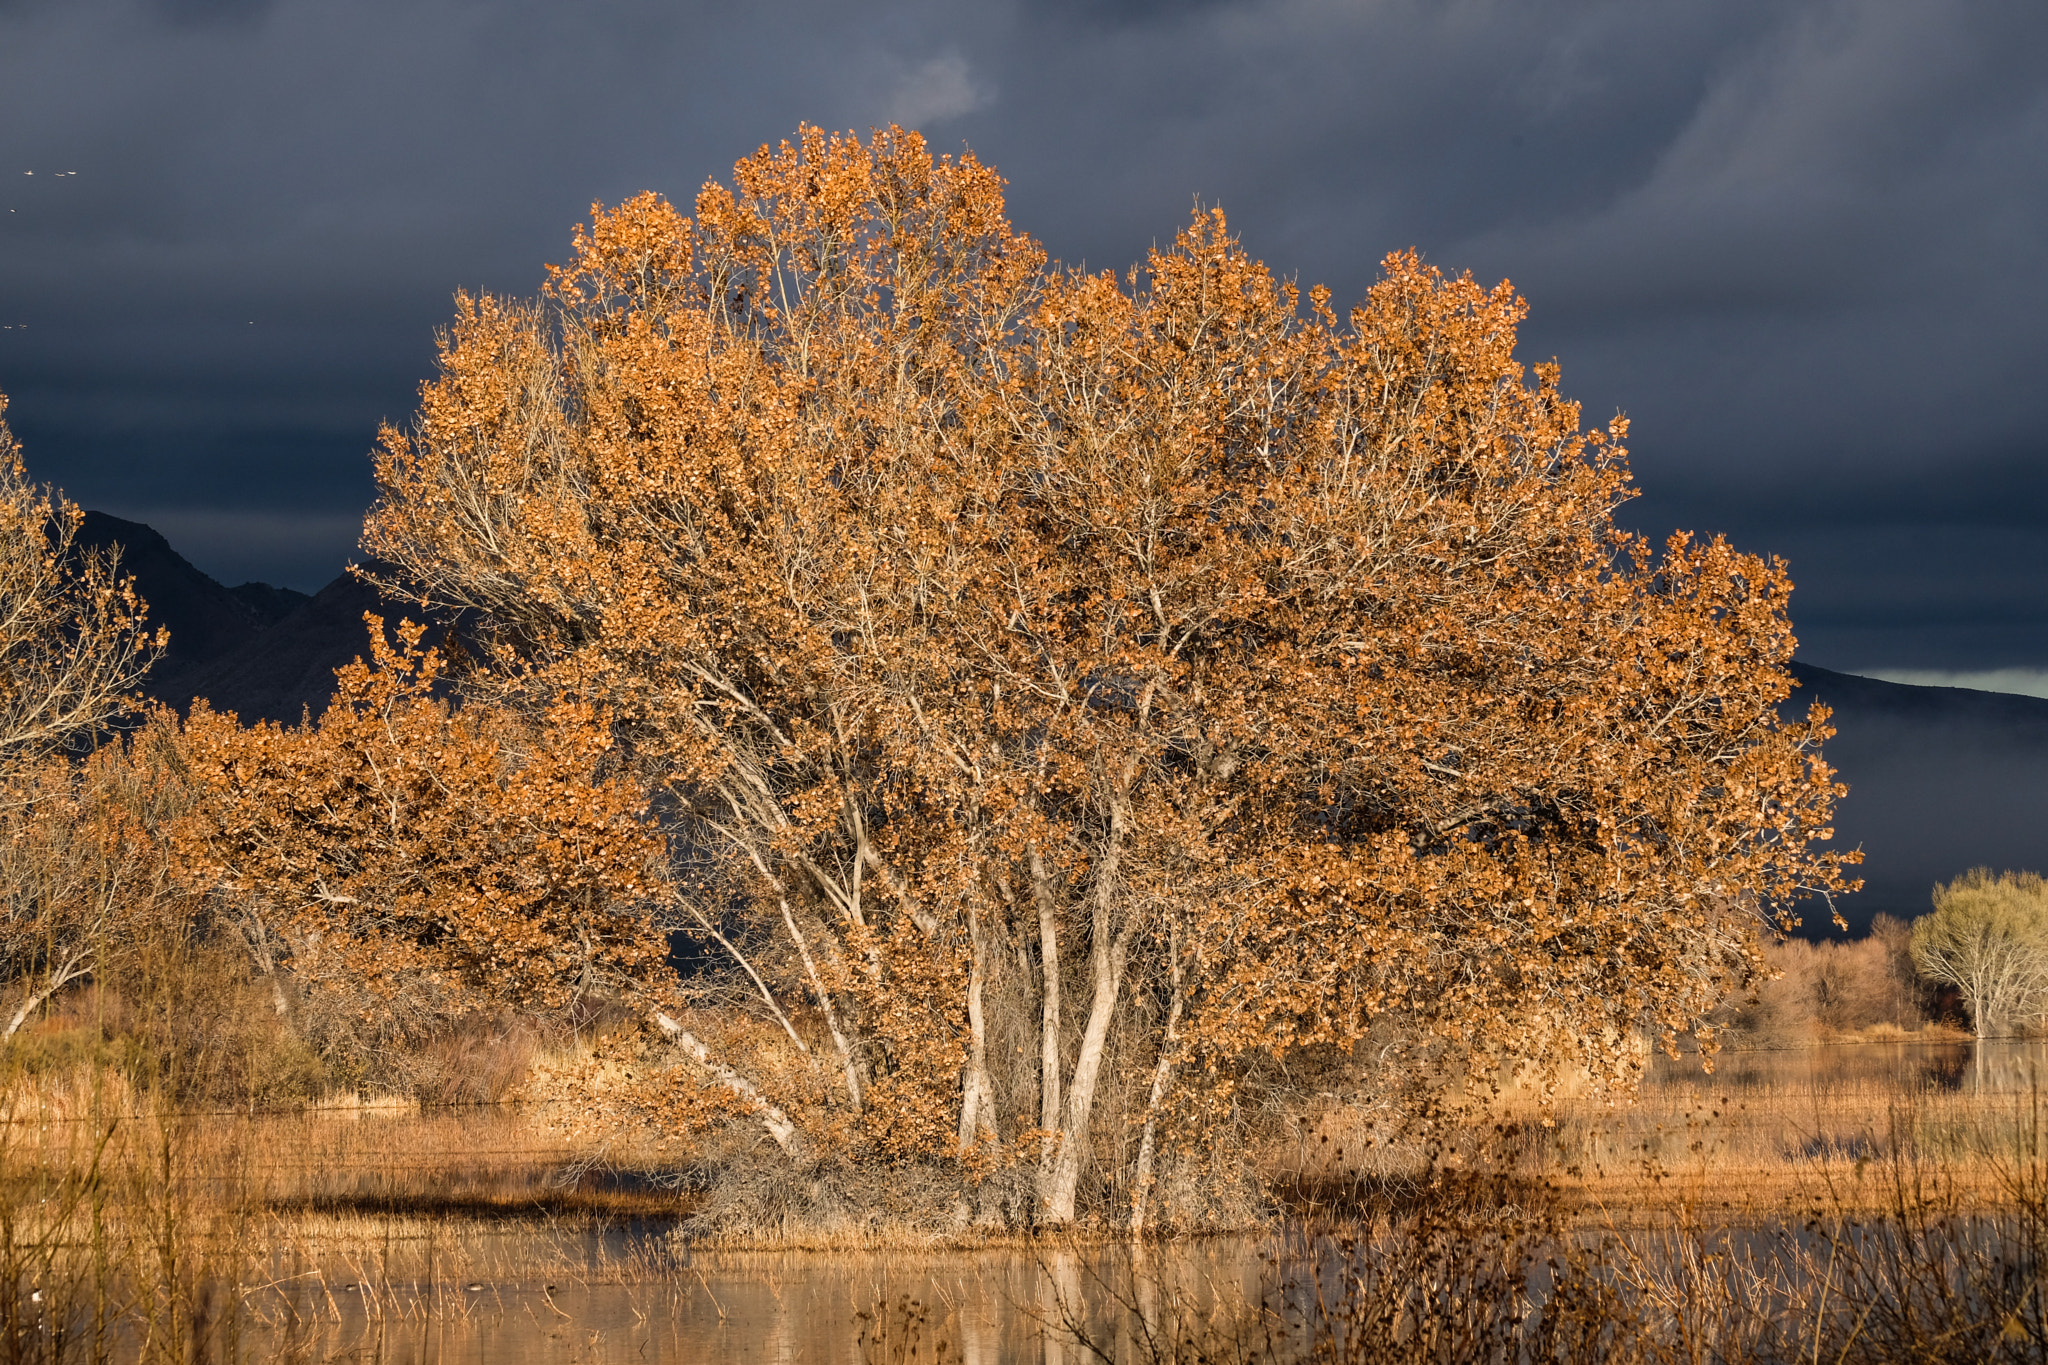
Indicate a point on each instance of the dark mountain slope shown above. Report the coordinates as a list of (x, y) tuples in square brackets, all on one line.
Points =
[(287, 670), (262, 652), (205, 619), (270, 604), (1941, 779)]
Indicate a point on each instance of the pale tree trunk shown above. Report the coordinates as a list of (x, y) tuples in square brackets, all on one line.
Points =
[(34, 1001), (29, 1006), (1060, 1174), (255, 936), (818, 991), (839, 1042), (1162, 1078), (977, 1093), (1049, 995), (771, 1117), (74, 968)]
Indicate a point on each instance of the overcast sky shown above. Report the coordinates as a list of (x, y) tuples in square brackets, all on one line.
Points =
[(1802, 245)]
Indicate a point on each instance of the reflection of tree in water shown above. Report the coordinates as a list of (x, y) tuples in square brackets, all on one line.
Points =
[(1945, 1069), (2003, 1068)]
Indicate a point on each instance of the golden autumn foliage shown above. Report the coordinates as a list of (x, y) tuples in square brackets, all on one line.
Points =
[(79, 868), (420, 860), (73, 644), (1065, 690), (84, 872)]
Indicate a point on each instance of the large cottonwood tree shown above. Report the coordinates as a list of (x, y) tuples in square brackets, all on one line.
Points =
[(1041, 667)]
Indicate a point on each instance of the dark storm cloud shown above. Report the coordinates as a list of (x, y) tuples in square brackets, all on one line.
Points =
[(1799, 243)]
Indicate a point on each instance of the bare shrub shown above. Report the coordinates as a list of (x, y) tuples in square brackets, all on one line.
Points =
[(1911, 999), (1940, 1268), (748, 1194), (84, 874), (1850, 985), (198, 1026)]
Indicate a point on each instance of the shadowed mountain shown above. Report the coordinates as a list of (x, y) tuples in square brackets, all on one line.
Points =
[(1941, 779), (206, 620), (287, 670), (262, 652), (271, 604)]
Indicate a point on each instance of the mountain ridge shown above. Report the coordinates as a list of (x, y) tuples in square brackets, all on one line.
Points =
[(257, 650)]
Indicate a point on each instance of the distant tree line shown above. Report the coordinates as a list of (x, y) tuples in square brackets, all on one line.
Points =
[(1976, 960)]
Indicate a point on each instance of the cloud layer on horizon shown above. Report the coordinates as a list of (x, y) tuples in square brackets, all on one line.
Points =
[(2020, 682), (1799, 243)]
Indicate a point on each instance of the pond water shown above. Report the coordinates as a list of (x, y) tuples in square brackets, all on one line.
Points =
[(987, 1308), (1998, 1067)]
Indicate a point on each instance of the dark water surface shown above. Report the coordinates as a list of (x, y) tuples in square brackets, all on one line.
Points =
[(1998, 1067), (834, 1308), (996, 1307)]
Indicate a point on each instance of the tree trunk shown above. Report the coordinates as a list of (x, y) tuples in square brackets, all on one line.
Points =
[(977, 1093), (770, 1116), (824, 997), (71, 971), (1049, 995), (1060, 1175), (29, 1006), (1162, 1077)]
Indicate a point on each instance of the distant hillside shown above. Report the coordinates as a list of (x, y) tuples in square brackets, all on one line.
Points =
[(286, 671), (206, 620), (1941, 779), (263, 652), (271, 604)]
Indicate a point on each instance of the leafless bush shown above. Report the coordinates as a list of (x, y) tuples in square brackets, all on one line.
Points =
[(195, 1025), (749, 1194)]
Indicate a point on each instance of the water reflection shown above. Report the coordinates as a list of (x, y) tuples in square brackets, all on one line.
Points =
[(996, 1307), (1997, 1067), (999, 1307)]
